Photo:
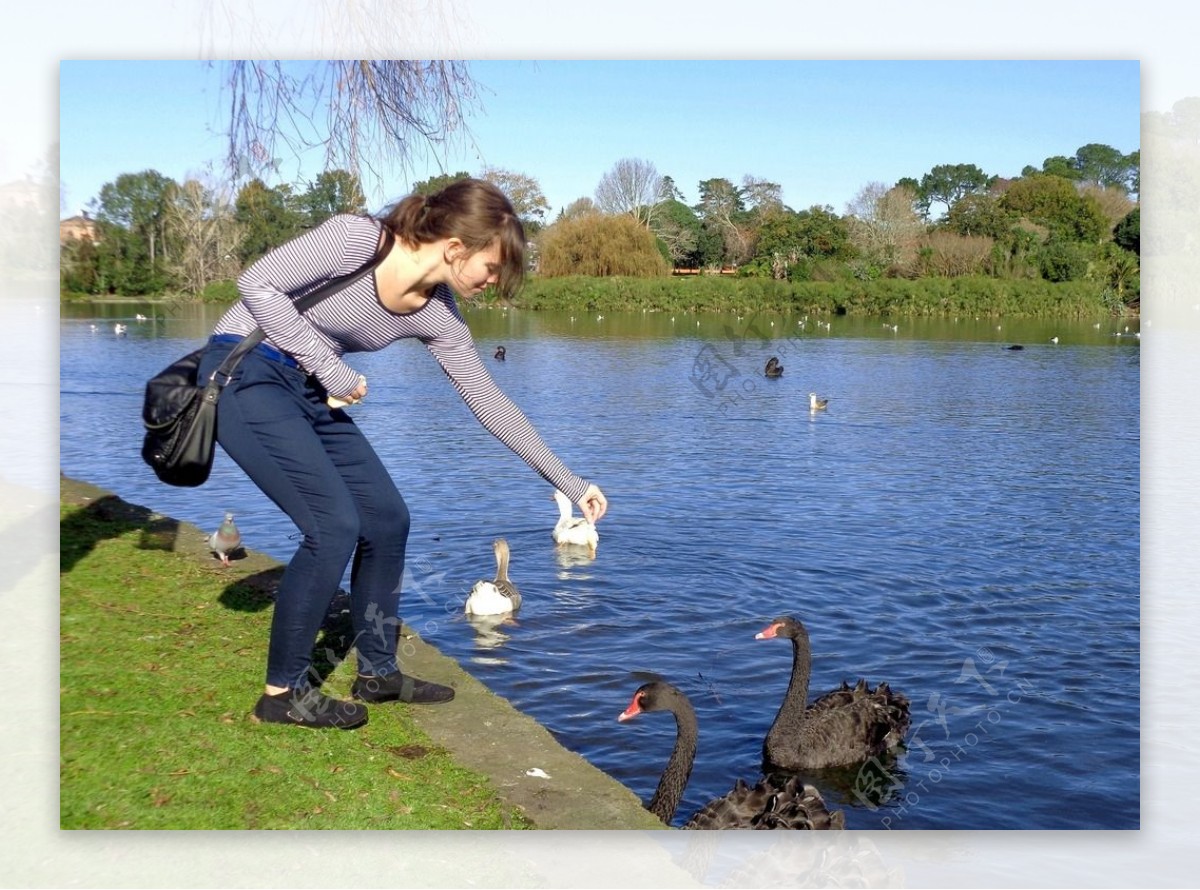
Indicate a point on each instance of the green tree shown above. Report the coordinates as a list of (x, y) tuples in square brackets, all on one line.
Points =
[(1128, 232), (437, 183), (1135, 172), (130, 214), (678, 228), (1062, 260), (668, 191), (725, 239), (1056, 203), (712, 251), (267, 216), (789, 243), (979, 215), (1101, 165), (600, 245), (333, 192), (948, 183), (1104, 165), (779, 247), (136, 202), (761, 197), (720, 200), (79, 266), (824, 234), (525, 194), (1059, 165), (1121, 272)]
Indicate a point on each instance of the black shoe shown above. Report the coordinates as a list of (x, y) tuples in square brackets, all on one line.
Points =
[(309, 707), (399, 687)]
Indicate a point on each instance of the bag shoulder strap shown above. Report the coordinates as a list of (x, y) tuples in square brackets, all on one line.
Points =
[(221, 376), (336, 284)]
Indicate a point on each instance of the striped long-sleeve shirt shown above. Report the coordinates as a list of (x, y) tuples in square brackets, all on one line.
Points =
[(354, 320)]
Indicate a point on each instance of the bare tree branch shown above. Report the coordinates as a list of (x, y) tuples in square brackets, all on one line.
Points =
[(632, 186), (883, 224), (200, 226), (365, 115)]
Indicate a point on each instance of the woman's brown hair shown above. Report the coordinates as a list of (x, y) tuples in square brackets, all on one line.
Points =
[(475, 212)]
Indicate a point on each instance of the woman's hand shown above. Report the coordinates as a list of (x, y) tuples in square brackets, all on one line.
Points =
[(353, 398), (593, 504)]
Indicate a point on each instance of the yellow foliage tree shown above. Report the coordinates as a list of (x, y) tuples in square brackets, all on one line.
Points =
[(600, 245)]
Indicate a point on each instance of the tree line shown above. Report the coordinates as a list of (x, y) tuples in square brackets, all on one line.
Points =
[(1073, 218)]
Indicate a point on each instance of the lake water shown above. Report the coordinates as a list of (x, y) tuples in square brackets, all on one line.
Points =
[(962, 522)]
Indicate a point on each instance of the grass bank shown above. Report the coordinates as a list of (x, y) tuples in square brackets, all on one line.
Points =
[(161, 661), (924, 297)]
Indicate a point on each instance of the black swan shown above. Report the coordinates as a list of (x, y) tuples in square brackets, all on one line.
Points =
[(792, 805), (773, 369), (501, 352), (842, 727)]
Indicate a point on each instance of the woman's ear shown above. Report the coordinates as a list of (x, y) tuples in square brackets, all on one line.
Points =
[(454, 250)]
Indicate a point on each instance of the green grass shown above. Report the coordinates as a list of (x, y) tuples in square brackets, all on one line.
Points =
[(161, 662)]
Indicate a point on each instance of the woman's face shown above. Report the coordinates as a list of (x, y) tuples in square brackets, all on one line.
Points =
[(471, 274)]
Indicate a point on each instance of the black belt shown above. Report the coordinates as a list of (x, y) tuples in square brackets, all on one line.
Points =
[(262, 349)]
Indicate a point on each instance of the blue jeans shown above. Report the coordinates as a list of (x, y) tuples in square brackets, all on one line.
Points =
[(318, 467)]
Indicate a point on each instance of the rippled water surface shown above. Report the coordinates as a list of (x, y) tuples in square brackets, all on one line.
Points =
[(962, 522)]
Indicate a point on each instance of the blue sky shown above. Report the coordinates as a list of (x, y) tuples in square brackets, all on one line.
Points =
[(821, 129)]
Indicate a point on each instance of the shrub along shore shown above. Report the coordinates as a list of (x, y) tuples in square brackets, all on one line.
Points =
[(927, 297), (924, 297)]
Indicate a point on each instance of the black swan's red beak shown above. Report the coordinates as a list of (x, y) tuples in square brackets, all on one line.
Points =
[(767, 633), (635, 708)]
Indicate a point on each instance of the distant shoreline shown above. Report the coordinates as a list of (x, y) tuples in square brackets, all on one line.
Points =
[(888, 297)]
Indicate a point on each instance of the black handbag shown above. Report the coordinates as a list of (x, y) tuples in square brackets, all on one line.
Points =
[(180, 413)]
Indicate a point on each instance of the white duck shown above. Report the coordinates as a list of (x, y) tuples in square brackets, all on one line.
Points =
[(498, 596), (576, 530)]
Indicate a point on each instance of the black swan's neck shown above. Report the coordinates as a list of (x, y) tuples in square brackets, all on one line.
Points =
[(679, 768), (795, 700)]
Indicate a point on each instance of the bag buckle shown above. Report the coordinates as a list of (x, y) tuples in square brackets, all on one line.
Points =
[(220, 378)]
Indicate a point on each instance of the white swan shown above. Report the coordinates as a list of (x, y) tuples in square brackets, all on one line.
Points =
[(495, 597), (815, 404), (575, 530)]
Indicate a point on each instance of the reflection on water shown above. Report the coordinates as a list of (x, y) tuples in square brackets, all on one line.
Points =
[(489, 633), (572, 556), (961, 522)]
